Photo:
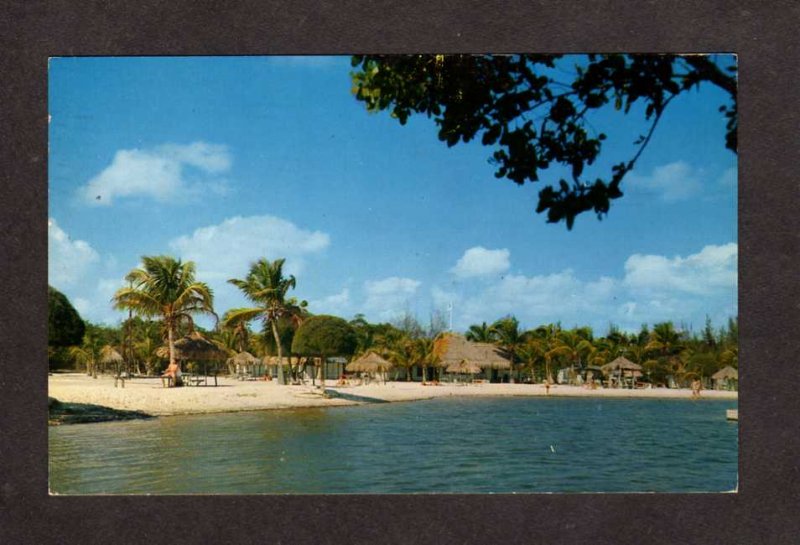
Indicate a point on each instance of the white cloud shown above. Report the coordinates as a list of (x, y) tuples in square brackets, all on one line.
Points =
[(226, 250), (711, 270), (160, 173), (81, 273), (652, 288), (68, 260), (673, 182), (479, 261), (540, 299), (389, 297), (337, 304)]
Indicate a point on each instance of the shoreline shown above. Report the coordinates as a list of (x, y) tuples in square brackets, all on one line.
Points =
[(147, 396)]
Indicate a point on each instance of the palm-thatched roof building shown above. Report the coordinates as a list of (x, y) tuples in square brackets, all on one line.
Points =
[(463, 367), (369, 363), (463, 356)]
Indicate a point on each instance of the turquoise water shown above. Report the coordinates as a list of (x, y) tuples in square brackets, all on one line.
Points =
[(445, 445)]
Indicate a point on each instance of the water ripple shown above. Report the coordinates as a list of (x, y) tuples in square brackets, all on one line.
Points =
[(445, 445)]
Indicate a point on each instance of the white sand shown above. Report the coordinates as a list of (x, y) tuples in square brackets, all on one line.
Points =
[(148, 395)]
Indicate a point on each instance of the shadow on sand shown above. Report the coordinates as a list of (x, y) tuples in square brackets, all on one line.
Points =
[(80, 413), (352, 397)]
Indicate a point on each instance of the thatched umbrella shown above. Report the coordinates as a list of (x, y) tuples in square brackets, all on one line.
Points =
[(109, 355), (196, 347), (725, 375), (272, 361), (243, 359), (620, 365), (370, 363)]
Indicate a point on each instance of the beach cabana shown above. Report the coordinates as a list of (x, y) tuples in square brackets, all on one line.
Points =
[(452, 349), (110, 356), (370, 363), (195, 347), (271, 363), (623, 367), (726, 378), (463, 368), (244, 364)]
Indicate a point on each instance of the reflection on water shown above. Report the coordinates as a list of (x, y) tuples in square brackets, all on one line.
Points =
[(444, 445)]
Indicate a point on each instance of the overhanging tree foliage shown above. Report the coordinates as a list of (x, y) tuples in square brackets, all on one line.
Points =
[(517, 105), (65, 326), (323, 337)]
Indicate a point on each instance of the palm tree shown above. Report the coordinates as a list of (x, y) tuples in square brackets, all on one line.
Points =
[(665, 340), (165, 287), (480, 333), (509, 337), (547, 335), (88, 352), (266, 286), (532, 352), (573, 347), (402, 352), (425, 355)]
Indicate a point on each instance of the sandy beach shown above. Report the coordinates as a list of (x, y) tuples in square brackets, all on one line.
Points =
[(149, 396)]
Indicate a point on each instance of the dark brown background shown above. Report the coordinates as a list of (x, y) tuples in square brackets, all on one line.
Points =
[(765, 36)]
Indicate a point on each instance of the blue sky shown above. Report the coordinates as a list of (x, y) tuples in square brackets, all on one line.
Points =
[(224, 160)]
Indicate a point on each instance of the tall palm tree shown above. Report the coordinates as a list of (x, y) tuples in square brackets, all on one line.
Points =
[(166, 288), (480, 333), (425, 355), (547, 335), (403, 352), (266, 286), (572, 346), (665, 340), (508, 335), (532, 352)]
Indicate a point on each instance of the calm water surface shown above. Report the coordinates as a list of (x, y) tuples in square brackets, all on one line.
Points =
[(444, 445)]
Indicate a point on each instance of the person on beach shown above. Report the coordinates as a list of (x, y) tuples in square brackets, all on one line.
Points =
[(696, 385), (174, 372)]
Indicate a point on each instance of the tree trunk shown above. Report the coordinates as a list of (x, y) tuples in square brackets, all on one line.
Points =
[(321, 374), (281, 378), (171, 342)]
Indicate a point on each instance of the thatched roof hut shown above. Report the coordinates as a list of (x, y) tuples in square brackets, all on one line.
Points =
[(369, 363), (726, 372), (621, 363), (455, 349), (243, 358), (109, 355), (463, 367), (196, 347)]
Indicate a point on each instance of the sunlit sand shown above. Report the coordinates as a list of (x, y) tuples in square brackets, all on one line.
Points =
[(149, 396)]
